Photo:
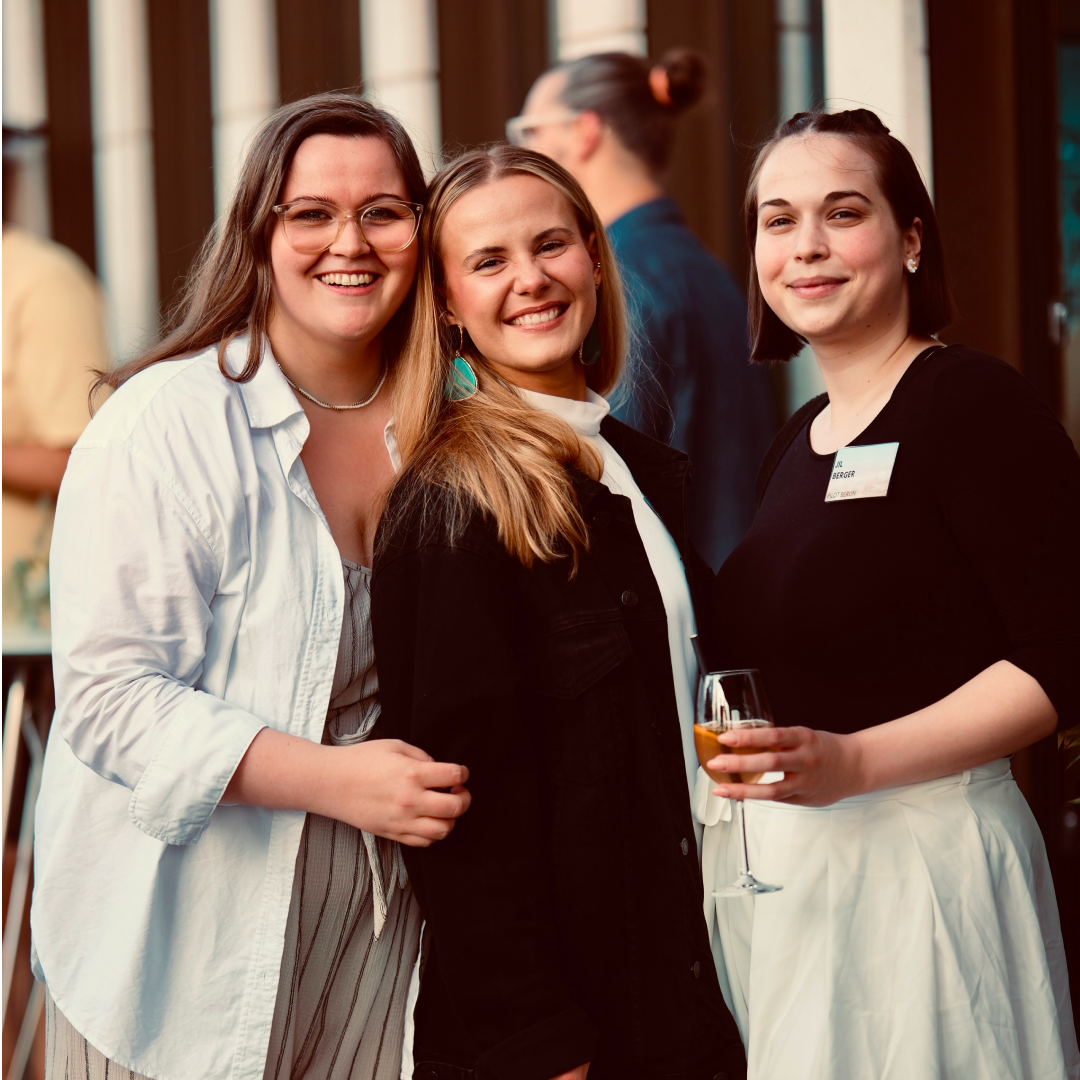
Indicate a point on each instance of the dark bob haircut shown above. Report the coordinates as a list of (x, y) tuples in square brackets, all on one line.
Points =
[(930, 303)]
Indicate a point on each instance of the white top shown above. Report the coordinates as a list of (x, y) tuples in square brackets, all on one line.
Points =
[(197, 597), (663, 554)]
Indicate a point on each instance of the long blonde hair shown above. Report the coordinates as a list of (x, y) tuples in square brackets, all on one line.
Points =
[(230, 289), (493, 451)]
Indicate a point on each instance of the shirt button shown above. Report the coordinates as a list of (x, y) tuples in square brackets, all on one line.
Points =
[(684, 846), (696, 969), (601, 519), (629, 598)]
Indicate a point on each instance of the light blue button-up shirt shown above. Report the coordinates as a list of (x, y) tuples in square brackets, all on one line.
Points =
[(197, 597)]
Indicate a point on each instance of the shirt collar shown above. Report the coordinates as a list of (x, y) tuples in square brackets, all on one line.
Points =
[(583, 416), (268, 398)]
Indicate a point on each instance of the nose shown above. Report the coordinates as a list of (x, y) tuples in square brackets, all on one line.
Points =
[(350, 242), (530, 277), (811, 245)]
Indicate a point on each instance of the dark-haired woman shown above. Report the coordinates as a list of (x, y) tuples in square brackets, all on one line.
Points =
[(610, 121), (532, 606), (910, 591), (215, 677)]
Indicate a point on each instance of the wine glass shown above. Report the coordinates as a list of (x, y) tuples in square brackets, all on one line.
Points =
[(731, 701)]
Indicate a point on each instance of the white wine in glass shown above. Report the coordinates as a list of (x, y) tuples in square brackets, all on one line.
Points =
[(732, 701)]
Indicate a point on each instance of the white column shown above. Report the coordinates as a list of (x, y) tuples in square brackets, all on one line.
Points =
[(124, 171), (243, 64), (25, 107), (795, 43), (400, 61), (876, 58), (582, 27)]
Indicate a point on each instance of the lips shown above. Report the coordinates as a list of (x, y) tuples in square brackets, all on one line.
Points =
[(538, 316), (813, 287)]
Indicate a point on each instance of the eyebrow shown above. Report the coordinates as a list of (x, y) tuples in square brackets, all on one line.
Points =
[(363, 202), (833, 196), (496, 249)]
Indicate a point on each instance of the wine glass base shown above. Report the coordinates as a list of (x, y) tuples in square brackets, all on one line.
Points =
[(746, 885)]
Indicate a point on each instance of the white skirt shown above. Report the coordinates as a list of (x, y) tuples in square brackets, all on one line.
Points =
[(916, 936)]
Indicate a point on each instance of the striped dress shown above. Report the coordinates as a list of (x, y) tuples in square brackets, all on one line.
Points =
[(353, 930)]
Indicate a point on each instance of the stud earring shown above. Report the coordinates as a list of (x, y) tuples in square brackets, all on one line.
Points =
[(912, 266), (461, 383)]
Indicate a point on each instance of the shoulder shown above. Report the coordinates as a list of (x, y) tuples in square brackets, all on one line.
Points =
[(186, 394), (972, 389), (30, 260), (982, 410)]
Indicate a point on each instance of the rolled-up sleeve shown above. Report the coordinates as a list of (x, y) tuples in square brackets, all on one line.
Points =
[(134, 575)]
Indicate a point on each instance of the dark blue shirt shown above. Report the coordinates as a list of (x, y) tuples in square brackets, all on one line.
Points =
[(690, 382)]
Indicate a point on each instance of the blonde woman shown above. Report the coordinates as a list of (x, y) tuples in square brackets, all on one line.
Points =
[(219, 889), (533, 604)]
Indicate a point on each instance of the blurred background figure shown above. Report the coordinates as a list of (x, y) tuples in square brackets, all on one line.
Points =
[(609, 119), (53, 338)]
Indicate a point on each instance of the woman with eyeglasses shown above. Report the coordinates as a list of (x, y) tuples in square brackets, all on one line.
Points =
[(219, 884), (533, 607)]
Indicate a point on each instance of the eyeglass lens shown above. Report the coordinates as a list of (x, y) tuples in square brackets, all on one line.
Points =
[(313, 226)]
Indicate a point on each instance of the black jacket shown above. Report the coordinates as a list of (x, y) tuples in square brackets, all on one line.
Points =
[(564, 912)]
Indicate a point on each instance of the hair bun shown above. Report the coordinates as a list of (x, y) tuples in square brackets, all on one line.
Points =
[(680, 76)]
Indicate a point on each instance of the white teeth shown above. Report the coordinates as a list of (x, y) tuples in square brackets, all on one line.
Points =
[(536, 317), (347, 279)]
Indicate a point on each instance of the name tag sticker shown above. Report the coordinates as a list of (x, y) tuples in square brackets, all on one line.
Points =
[(862, 472)]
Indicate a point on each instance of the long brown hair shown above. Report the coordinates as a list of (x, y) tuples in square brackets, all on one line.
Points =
[(229, 290), (493, 451), (930, 303)]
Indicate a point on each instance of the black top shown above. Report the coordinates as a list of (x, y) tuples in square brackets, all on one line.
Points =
[(564, 918), (862, 611)]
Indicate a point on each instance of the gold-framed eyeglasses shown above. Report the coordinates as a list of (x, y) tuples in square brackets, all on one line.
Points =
[(312, 226), (521, 130)]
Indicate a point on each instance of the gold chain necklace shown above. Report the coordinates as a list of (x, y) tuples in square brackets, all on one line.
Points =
[(337, 408)]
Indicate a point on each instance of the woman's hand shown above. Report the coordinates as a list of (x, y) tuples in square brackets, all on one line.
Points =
[(819, 767), (384, 786), (999, 711)]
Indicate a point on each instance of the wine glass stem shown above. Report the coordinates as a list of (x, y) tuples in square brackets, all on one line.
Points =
[(742, 829)]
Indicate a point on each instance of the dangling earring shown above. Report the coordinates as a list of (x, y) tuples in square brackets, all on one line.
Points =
[(912, 266), (461, 383)]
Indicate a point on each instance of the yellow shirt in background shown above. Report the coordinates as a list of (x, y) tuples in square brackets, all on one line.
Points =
[(53, 338)]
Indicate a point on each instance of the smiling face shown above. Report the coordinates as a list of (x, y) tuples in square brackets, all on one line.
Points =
[(522, 280), (347, 294), (830, 255)]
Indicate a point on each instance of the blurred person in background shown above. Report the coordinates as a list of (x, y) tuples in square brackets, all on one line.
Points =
[(53, 343), (609, 120), (219, 889)]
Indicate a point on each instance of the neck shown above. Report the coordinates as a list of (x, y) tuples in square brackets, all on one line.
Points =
[(860, 375), (616, 184), (568, 380), (336, 371)]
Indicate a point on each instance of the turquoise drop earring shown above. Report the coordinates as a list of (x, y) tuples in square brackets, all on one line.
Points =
[(461, 383)]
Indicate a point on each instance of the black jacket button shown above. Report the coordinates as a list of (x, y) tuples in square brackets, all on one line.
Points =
[(601, 519), (684, 846), (629, 598), (696, 969)]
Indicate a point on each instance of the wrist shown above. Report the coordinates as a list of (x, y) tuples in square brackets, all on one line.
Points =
[(857, 763)]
